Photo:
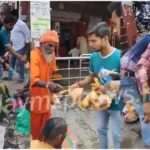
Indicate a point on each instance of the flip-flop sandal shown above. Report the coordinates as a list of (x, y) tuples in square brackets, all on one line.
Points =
[(133, 119)]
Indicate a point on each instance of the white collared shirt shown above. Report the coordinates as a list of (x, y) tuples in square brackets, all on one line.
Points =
[(74, 52), (20, 35)]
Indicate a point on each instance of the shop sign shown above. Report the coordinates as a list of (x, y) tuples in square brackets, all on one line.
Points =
[(39, 19)]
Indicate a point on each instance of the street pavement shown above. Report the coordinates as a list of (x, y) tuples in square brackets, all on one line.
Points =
[(83, 125)]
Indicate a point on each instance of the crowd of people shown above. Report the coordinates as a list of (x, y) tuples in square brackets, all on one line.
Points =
[(14, 43), (50, 132)]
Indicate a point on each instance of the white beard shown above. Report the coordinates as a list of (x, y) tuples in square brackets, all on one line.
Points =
[(48, 57)]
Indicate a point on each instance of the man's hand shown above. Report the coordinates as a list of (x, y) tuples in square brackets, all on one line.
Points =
[(88, 80), (146, 109), (74, 86), (54, 88), (23, 59), (114, 86), (101, 90), (27, 65), (6, 56)]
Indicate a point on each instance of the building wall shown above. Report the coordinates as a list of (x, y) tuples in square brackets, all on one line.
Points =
[(85, 9), (129, 22), (25, 10)]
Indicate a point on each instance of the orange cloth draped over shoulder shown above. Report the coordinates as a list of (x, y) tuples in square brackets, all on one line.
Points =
[(36, 144), (40, 70)]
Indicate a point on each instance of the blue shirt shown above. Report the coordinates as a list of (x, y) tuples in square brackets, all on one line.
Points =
[(110, 62), (4, 40)]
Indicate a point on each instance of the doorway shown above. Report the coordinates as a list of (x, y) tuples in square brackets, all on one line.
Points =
[(65, 37)]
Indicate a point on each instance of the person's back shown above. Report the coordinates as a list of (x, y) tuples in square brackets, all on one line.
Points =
[(19, 35), (3, 40)]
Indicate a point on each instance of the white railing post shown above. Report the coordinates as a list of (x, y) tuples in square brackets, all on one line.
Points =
[(69, 78)]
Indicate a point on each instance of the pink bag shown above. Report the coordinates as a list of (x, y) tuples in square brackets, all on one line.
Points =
[(17, 103)]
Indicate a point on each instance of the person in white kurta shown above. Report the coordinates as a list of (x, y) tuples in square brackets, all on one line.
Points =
[(75, 52), (83, 45)]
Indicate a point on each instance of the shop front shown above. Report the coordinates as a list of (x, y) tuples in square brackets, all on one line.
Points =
[(72, 20)]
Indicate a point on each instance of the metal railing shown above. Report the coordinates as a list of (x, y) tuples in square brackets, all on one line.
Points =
[(83, 60)]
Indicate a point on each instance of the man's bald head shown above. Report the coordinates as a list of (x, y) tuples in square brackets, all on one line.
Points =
[(55, 131)]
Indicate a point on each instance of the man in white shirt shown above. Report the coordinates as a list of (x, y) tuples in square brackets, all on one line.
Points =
[(75, 52), (83, 45), (20, 38)]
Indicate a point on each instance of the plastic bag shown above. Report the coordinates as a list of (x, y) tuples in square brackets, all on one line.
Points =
[(23, 121)]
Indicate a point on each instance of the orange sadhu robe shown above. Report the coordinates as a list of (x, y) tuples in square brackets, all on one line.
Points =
[(40, 97)]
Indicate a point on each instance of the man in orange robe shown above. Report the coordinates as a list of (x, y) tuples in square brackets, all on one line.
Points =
[(43, 63)]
